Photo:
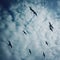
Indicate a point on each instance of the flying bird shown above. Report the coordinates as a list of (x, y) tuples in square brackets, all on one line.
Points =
[(44, 54), (46, 42), (29, 51), (10, 44), (50, 26), (33, 11), (24, 32)]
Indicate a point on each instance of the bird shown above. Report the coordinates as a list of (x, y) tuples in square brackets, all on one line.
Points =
[(33, 11), (44, 54), (9, 44), (50, 26), (46, 42), (29, 51), (24, 32)]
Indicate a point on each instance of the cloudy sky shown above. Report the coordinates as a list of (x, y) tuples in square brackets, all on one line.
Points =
[(29, 29)]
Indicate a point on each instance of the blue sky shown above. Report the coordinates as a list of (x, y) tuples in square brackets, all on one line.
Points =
[(28, 28)]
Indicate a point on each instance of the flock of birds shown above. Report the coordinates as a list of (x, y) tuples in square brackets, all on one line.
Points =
[(30, 52)]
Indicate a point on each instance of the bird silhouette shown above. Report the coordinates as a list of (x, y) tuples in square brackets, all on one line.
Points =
[(24, 32), (50, 26), (33, 11), (9, 44), (29, 51), (44, 54), (46, 42)]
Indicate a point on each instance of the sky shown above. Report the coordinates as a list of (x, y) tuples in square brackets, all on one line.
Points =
[(29, 29)]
